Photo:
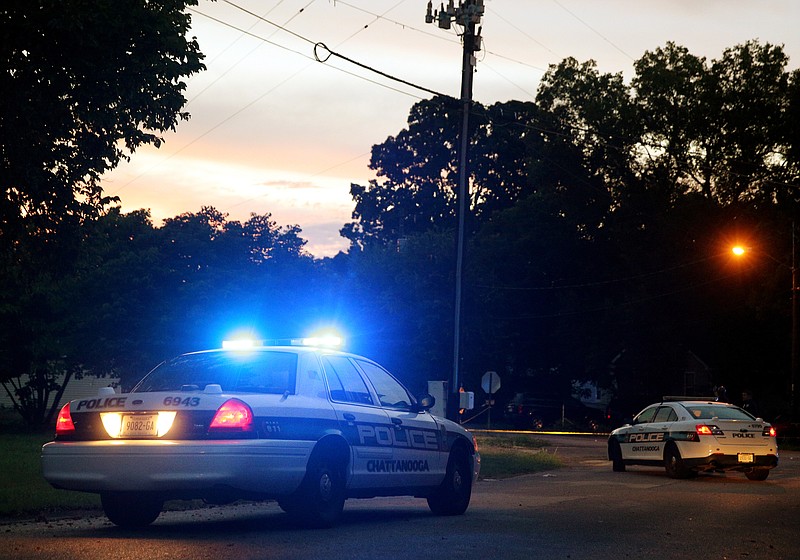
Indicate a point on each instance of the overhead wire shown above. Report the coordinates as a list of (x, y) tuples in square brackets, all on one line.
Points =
[(246, 55), (314, 58), (319, 46), (595, 31), (316, 50)]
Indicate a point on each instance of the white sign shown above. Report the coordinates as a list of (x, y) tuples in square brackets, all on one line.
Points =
[(490, 382)]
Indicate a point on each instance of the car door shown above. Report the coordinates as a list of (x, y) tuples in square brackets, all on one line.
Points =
[(637, 444), (364, 423), (419, 454)]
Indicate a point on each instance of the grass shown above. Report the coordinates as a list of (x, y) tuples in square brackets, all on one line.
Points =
[(504, 457), (24, 492)]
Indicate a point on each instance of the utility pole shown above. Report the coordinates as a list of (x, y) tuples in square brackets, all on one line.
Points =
[(467, 15), (794, 342)]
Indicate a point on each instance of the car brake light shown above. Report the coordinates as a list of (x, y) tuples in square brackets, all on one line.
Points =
[(706, 430), (770, 431), (64, 423), (233, 415), (703, 430)]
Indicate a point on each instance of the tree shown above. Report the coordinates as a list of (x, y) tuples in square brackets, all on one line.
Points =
[(597, 214), (420, 176), (418, 170), (697, 135), (83, 85)]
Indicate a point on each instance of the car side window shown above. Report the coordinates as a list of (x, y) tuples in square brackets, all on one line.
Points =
[(665, 414), (345, 382), (646, 415), (390, 392)]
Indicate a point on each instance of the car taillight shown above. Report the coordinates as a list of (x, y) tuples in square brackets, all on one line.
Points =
[(64, 424), (769, 431), (706, 430), (233, 415)]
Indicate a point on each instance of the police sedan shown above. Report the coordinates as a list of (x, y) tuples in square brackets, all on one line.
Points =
[(308, 427), (687, 436)]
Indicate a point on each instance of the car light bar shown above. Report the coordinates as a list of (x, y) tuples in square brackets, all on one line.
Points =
[(241, 344)]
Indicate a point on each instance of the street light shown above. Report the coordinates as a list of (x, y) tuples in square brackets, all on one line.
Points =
[(739, 251)]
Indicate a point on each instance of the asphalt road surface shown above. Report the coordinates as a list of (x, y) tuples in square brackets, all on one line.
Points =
[(583, 511)]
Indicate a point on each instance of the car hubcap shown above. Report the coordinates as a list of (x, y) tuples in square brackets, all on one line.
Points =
[(457, 479), (325, 486)]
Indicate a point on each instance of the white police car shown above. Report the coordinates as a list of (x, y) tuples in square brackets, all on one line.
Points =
[(687, 435), (308, 427)]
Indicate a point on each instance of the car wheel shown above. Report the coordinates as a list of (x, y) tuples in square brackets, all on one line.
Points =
[(131, 509), (757, 474), (453, 494), (615, 454), (320, 499), (673, 463)]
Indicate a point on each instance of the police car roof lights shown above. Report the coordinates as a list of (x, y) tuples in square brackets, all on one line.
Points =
[(241, 344), (325, 341)]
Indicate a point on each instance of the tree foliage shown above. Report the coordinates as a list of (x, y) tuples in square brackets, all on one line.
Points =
[(598, 233), (599, 215), (83, 84), (135, 295)]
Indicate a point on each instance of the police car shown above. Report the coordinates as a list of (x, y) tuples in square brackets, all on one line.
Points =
[(306, 426), (689, 435)]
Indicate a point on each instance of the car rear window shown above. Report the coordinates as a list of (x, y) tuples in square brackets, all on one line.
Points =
[(246, 372), (706, 412)]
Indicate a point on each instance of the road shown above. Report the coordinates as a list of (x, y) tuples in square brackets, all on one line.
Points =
[(582, 511)]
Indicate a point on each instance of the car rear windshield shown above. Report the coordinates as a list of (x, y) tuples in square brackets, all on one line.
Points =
[(247, 372), (705, 412)]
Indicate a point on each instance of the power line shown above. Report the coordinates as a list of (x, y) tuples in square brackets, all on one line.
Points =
[(251, 51), (595, 31), (315, 58), (321, 47)]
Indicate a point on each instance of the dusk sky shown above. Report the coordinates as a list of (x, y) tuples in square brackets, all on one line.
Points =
[(274, 131)]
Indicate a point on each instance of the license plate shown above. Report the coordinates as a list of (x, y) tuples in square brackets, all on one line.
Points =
[(139, 425), (746, 458)]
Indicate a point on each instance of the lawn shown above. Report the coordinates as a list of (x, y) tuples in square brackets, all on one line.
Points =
[(23, 491)]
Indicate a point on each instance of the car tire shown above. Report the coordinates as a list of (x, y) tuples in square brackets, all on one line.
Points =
[(131, 509), (757, 474), (673, 463), (615, 455), (453, 494), (319, 501)]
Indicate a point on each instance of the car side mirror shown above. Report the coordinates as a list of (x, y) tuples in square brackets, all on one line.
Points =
[(425, 402)]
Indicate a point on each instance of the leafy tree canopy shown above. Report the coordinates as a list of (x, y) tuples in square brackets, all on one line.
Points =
[(83, 85), (605, 149)]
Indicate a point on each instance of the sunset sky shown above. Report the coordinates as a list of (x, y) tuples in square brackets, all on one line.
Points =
[(274, 131)]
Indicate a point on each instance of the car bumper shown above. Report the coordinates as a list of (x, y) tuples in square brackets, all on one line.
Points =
[(720, 461), (177, 467)]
